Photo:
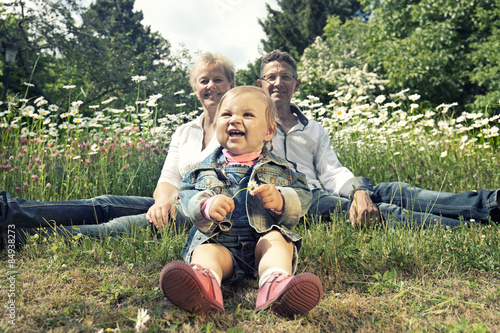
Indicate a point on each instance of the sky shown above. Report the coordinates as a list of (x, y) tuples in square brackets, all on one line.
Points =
[(229, 27)]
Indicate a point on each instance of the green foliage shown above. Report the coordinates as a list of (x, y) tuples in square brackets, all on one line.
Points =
[(249, 75), (98, 49), (485, 43), (432, 47), (337, 62), (298, 22)]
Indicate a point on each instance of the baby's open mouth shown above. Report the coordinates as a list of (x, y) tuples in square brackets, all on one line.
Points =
[(236, 133)]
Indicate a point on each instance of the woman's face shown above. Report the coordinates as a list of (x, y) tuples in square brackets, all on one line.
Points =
[(211, 84)]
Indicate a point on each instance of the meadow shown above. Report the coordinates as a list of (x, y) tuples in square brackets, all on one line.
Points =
[(375, 279)]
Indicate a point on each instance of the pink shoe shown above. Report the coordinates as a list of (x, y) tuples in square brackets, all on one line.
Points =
[(289, 295), (191, 288)]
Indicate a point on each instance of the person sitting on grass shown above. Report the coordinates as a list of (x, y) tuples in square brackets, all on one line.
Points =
[(244, 202), (305, 144)]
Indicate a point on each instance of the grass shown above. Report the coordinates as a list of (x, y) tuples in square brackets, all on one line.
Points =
[(375, 279)]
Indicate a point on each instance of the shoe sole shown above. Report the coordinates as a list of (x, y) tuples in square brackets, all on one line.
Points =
[(302, 294), (180, 286)]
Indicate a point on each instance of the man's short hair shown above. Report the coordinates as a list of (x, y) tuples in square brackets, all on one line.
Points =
[(280, 56)]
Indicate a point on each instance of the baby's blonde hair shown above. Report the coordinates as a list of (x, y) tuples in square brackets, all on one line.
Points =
[(270, 111)]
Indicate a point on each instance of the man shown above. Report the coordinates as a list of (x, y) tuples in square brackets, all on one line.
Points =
[(306, 146)]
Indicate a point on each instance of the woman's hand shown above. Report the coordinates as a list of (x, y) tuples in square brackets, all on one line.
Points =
[(163, 209), (363, 211), (270, 197), (160, 213), (221, 205)]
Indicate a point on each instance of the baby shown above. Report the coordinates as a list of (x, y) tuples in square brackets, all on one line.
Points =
[(244, 202)]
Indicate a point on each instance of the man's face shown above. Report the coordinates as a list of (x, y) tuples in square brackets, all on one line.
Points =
[(279, 82)]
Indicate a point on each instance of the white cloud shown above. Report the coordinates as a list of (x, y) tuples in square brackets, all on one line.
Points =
[(226, 26)]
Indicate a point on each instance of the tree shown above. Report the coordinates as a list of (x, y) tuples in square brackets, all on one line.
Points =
[(485, 55), (298, 22), (98, 49), (338, 62), (430, 46)]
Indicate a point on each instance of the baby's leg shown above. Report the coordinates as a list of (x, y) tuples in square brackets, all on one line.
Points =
[(196, 287), (215, 257), (279, 290), (274, 251)]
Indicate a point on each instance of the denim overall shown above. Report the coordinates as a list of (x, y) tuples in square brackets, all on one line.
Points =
[(242, 238)]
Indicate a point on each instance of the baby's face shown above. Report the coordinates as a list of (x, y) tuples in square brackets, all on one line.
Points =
[(241, 125)]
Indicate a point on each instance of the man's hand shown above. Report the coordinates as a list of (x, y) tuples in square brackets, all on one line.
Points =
[(159, 213), (363, 212), (270, 197), (221, 205)]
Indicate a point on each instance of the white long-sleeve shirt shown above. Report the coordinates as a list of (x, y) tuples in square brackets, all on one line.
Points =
[(185, 151), (307, 148)]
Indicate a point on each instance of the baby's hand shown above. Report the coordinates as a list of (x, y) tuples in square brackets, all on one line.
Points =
[(221, 205), (270, 196)]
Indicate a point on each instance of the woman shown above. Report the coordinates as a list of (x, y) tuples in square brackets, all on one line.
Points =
[(211, 77)]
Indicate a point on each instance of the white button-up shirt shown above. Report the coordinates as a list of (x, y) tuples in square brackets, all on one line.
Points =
[(307, 148)]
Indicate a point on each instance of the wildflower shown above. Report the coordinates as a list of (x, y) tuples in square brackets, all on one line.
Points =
[(402, 92), (139, 78), (109, 100), (414, 97), (380, 99), (94, 106), (73, 111), (49, 185), (180, 105), (337, 93), (252, 185), (342, 99), (69, 87), (28, 84), (444, 154), (340, 112), (28, 110), (39, 101), (142, 318), (180, 92), (152, 99)]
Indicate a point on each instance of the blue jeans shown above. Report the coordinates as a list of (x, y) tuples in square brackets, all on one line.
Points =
[(402, 203), (102, 215)]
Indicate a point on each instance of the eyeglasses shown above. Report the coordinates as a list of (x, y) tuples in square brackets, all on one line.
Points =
[(271, 78)]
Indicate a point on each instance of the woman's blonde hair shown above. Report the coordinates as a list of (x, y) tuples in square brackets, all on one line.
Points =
[(208, 58)]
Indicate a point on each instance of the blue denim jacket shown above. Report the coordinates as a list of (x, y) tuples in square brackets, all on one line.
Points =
[(206, 180)]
